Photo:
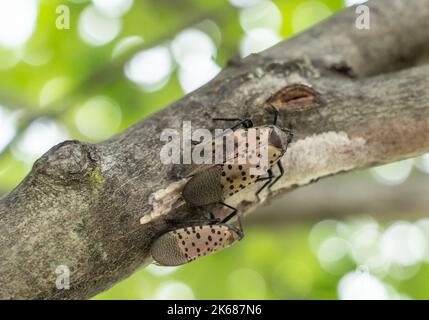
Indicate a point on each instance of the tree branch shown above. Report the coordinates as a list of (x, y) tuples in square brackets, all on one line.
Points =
[(81, 204), (342, 197)]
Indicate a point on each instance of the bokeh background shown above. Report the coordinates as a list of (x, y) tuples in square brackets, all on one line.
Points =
[(361, 235)]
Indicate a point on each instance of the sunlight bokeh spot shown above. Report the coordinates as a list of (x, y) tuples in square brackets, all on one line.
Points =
[(402, 273), (257, 40), (365, 249), (403, 243), (150, 68), (245, 3), (358, 285), (98, 118), (423, 225), (309, 13), (173, 290), (37, 57), (192, 44), (53, 90), (393, 173), (422, 163), (194, 52), (17, 21), (332, 253), (125, 45), (205, 70), (38, 138), (366, 234), (211, 28), (263, 15), (96, 29), (245, 284), (378, 264), (333, 249), (160, 271), (113, 8), (320, 232)]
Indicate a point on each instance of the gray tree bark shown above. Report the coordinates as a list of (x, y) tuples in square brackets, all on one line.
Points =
[(354, 99)]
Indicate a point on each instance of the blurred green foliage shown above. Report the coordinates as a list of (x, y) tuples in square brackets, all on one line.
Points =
[(82, 92), (84, 71)]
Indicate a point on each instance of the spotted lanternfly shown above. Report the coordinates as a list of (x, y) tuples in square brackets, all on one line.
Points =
[(184, 245), (215, 183)]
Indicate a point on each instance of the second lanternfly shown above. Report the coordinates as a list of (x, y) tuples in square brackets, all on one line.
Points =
[(208, 185)]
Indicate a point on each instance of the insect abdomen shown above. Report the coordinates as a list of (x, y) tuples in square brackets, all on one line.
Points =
[(204, 188), (167, 251)]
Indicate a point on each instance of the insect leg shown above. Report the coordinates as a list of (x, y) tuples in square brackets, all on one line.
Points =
[(276, 114), (239, 230), (246, 123), (282, 173), (269, 178)]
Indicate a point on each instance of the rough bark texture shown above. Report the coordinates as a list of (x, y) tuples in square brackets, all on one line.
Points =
[(345, 93)]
